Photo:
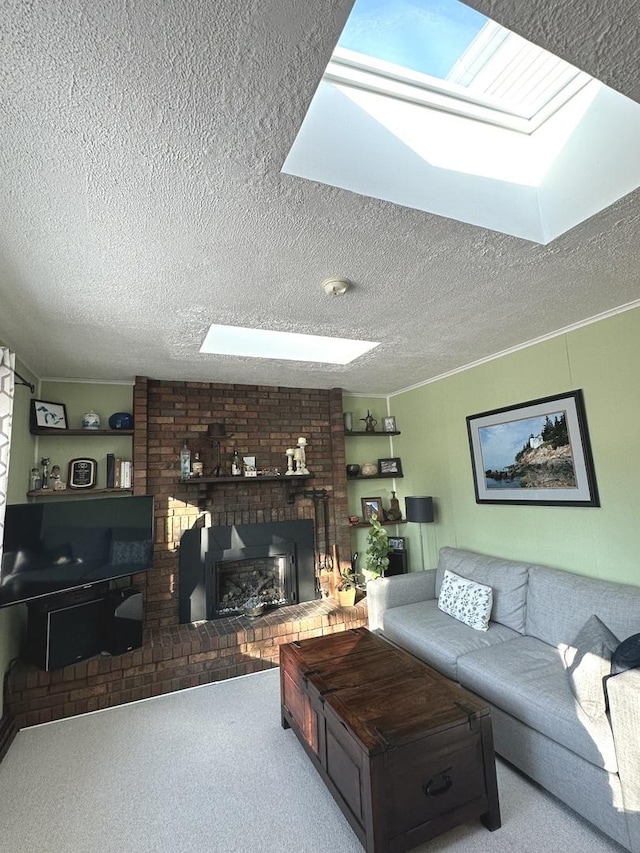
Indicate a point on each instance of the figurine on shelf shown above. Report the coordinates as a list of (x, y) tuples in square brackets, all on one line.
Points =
[(369, 422), (45, 472), (301, 457), (35, 479), (290, 454), (394, 513)]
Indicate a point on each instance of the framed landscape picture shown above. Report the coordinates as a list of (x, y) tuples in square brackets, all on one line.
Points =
[(536, 452)]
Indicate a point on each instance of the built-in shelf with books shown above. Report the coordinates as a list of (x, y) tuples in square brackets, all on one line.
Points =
[(63, 447)]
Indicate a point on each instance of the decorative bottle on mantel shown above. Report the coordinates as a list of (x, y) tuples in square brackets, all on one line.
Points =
[(236, 464), (185, 462), (197, 467)]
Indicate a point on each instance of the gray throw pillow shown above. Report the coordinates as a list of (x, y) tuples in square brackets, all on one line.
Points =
[(627, 655), (588, 663)]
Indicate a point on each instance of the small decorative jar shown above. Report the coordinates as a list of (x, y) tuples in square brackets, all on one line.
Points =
[(91, 420), (369, 469)]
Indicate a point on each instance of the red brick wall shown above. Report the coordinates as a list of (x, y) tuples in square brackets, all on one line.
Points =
[(263, 422)]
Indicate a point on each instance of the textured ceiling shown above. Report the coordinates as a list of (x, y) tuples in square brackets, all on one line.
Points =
[(142, 199)]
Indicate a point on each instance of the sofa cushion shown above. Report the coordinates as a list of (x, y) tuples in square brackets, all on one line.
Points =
[(588, 662), (507, 579), (627, 655), (559, 603), (526, 678), (437, 638), (466, 600)]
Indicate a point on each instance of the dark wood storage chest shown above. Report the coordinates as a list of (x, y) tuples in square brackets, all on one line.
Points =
[(406, 753)]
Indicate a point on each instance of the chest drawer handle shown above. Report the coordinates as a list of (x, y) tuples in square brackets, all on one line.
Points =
[(438, 786)]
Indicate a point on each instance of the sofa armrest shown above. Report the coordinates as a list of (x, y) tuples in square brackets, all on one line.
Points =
[(397, 590), (623, 691)]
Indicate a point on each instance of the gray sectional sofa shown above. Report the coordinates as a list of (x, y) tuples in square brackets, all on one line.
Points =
[(537, 666)]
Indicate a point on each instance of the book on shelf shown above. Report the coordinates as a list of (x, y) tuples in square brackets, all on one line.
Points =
[(125, 474), (111, 470), (119, 472)]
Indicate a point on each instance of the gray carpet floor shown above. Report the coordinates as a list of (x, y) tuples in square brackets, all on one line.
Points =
[(211, 769)]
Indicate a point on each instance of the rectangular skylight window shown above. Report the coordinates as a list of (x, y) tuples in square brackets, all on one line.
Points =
[(286, 346)]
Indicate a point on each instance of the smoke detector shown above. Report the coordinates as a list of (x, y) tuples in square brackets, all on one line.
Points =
[(336, 286)]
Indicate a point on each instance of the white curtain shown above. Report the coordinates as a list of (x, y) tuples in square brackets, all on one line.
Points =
[(7, 364)]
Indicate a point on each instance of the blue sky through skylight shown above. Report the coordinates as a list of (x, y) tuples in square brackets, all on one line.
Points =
[(427, 36)]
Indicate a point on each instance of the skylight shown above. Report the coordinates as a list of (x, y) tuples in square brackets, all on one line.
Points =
[(426, 43), (427, 37), (287, 346), (428, 104)]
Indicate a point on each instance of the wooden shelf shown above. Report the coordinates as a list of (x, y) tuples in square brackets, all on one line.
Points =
[(55, 493), (379, 434), (288, 482), (65, 433), (272, 478), (376, 477), (383, 523)]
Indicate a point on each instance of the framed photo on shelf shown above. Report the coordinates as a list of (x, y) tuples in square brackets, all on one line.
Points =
[(83, 473), (371, 506), (45, 414), (389, 424), (392, 465), (536, 452), (396, 543)]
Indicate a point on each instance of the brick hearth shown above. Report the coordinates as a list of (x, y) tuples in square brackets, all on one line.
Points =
[(173, 659)]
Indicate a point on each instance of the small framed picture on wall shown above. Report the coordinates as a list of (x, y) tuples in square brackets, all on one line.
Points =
[(370, 507), (390, 467)]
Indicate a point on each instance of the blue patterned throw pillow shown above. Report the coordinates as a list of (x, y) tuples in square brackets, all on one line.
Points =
[(466, 600)]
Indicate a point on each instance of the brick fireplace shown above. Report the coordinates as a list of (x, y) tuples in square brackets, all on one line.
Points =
[(178, 652), (221, 567)]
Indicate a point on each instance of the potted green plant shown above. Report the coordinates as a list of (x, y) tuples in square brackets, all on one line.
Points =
[(377, 553), (346, 589)]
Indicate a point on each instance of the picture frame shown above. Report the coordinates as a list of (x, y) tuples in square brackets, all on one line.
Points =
[(371, 506), (389, 424), (391, 466), (45, 414), (396, 543), (537, 452)]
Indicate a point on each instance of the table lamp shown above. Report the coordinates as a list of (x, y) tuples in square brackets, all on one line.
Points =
[(419, 509)]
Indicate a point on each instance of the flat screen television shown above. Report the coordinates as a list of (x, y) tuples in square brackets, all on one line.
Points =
[(59, 545)]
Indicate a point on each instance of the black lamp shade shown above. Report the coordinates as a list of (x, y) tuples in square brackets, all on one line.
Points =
[(419, 508), (217, 431)]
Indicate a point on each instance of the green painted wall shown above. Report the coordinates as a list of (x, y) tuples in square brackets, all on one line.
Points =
[(604, 360)]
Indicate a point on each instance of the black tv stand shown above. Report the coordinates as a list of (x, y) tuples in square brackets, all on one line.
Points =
[(68, 627)]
